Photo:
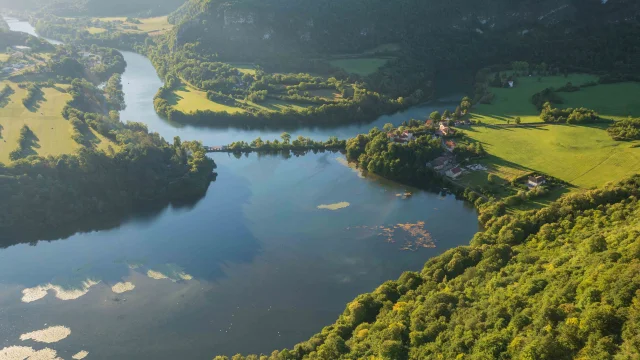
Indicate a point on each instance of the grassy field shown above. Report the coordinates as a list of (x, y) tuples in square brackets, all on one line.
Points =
[(584, 156), (610, 100), (360, 66), (152, 26), (245, 68), (329, 94), (513, 102), (188, 99), (52, 131), (96, 30), (276, 105)]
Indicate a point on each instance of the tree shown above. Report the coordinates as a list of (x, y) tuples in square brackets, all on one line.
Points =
[(465, 104), (446, 114), (492, 178), (518, 120), (458, 113), (286, 137), (388, 127), (435, 116)]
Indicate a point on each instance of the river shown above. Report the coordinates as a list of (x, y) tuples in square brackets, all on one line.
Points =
[(269, 256)]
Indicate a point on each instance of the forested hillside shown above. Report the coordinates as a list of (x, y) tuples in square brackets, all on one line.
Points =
[(558, 283), (447, 30)]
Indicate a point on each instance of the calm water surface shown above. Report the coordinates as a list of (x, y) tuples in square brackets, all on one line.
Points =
[(253, 266)]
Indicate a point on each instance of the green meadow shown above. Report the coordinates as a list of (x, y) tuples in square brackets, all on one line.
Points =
[(52, 131), (516, 101), (152, 26), (584, 155), (189, 99)]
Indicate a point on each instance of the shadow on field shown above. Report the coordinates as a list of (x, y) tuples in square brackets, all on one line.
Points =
[(31, 143), (174, 98), (34, 105)]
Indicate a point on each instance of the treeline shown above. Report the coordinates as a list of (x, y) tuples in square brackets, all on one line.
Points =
[(550, 114), (299, 143), (556, 283), (625, 130)]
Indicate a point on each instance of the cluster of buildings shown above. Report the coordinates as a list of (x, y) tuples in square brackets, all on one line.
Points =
[(404, 137)]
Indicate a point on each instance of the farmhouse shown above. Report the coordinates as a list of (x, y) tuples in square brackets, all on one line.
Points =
[(454, 173), (450, 145), (535, 181), (402, 138), (445, 130)]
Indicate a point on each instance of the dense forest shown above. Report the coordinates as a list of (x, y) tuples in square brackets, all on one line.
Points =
[(453, 33), (557, 283)]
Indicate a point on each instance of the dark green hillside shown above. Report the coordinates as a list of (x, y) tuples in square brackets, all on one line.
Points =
[(559, 283)]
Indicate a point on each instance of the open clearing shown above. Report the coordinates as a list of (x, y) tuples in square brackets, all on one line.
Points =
[(614, 101), (52, 131), (245, 68), (360, 66), (513, 102), (96, 30), (152, 26), (328, 94), (188, 99), (584, 156)]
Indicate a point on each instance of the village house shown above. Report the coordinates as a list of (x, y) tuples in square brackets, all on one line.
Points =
[(429, 123), (450, 145), (454, 173), (402, 138), (535, 181), (445, 130), (511, 83), (439, 163)]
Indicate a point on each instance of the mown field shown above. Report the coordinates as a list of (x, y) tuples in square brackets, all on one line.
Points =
[(245, 68), (52, 131), (583, 156), (511, 103), (189, 99), (152, 26)]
